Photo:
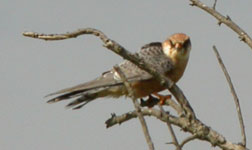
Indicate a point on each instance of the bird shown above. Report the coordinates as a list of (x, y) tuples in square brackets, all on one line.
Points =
[(169, 57)]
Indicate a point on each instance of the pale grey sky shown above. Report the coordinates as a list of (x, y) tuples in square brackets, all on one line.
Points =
[(30, 69)]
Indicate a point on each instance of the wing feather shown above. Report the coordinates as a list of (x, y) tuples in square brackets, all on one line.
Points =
[(152, 53)]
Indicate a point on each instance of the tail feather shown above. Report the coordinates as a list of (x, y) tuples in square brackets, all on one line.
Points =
[(77, 91), (102, 81), (65, 96), (81, 87), (84, 93), (82, 97), (81, 101), (80, 106)]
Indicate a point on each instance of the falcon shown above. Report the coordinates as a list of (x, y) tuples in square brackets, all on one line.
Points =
[(169, 57)]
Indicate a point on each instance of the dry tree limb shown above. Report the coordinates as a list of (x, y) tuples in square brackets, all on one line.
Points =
[(175, 106), (174, 138), (236, 99), (244, 37), (188, 139), (198, 129), (118, 49), (137, 107), (226, 20), (214, 5), (145, 112)]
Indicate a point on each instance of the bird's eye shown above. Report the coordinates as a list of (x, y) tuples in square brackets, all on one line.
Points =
[(172, 44), (187, 43)]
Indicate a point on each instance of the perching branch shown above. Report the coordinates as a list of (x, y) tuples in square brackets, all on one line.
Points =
[(197, 128), (118, 49), (152, 101), (175, 106), (226, 20), (236, 99), (145, 112), (137, 107)]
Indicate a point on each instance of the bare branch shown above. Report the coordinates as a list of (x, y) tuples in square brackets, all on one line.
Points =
[(174, 138), (226, 20), (145, 112), (118, 49), (214, 5), (137, 107), (188, 139), (236, 99), (52, 37), (197, 128), (175, 106)]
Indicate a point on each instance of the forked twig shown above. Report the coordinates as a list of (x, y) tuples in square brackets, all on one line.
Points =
[(236, 99), (226, 20), (199, 129), (137, 107), (243, 37)]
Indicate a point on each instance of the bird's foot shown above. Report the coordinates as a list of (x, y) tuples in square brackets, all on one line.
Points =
[(152, 101), (162, 98)]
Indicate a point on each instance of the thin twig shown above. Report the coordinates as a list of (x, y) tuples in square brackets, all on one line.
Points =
[(198, 128), (137, 107), (175, 106), (188, 139), (236, 99), (174, 138), (226, 20), (145, 112), (214, 5), (118, 49)]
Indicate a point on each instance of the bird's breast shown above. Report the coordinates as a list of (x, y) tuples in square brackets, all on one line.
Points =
[(178, 70)]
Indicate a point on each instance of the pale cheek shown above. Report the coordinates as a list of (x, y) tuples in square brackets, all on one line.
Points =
[(167, 51)]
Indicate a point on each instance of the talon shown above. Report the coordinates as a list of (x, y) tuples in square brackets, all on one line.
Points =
[(162, 98), (150, 102)]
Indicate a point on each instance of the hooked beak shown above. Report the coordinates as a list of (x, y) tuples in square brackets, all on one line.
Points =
[(178, 46)]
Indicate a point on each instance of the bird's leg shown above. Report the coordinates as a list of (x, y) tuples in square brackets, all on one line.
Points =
[(162, 98), (152, 101)]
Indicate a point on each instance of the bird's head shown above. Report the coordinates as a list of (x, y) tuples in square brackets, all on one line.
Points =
[(177, 46)]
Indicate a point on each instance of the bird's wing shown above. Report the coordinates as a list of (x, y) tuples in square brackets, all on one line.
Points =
[(152, 53)]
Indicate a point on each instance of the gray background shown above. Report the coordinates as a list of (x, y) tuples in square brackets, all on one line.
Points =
[(32, 68)]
